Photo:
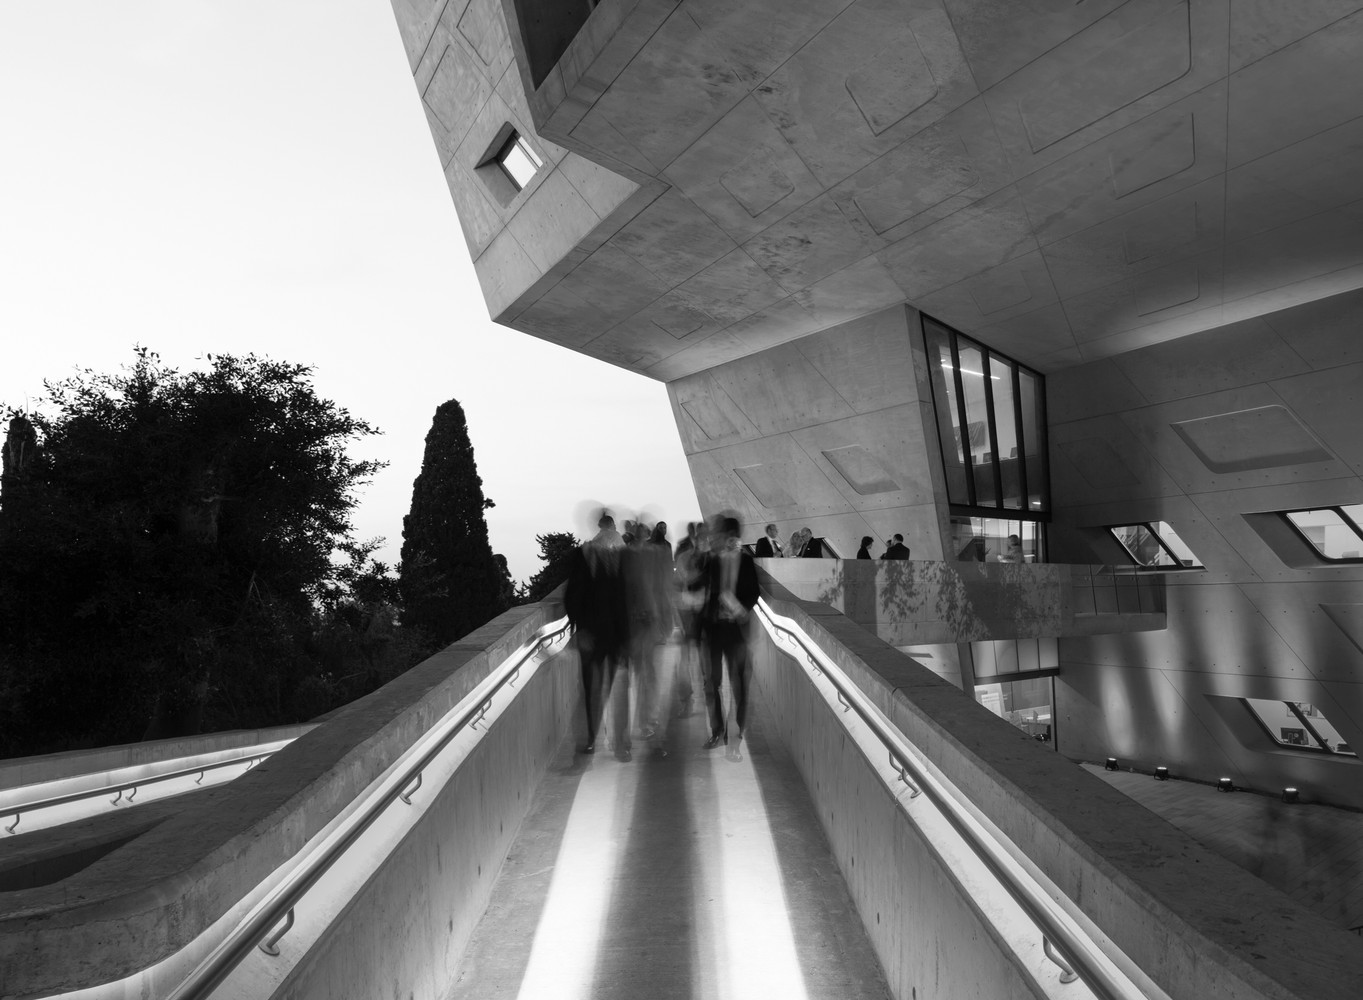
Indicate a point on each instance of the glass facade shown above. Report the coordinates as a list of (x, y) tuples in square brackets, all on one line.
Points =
[(1155, 545), (997, 539), (1026, 703), (991, 424), (1298, 724), (1336, 533)]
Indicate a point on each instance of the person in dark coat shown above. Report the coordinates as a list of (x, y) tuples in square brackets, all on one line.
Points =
[(897, 549), (731, 594), (769, 546), (595, 604), (865, 551)]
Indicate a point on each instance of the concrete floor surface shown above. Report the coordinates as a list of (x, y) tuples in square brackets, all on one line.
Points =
[(680, 874)]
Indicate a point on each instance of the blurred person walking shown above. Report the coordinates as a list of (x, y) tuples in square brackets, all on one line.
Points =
[(731, 594), (690, 561), (594, 600)]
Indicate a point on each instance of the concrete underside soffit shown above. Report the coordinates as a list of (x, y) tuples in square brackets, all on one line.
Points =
[(1065, 181)]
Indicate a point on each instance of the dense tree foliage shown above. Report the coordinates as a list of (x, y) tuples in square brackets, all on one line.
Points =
[(556, 551), (167, 543), (451, 583)]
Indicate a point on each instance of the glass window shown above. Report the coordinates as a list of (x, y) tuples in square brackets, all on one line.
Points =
[(943, 373), (1155, 545), (1006, 429), (974, 388), (991, 424), (997, 539), (1033, 428), (1025, 703), (519, 161), (1336, 533), (1298, 724)]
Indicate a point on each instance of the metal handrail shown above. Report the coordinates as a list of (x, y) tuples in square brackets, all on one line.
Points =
[(130, 787), (1055, 935), (211, 974)]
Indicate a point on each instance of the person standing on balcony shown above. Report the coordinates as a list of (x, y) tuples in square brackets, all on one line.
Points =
[(732, 592), (865, 551), (897, 549), (768, 546), (595, 604)]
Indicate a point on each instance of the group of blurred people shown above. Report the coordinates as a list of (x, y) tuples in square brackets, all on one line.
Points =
[(627, 593)]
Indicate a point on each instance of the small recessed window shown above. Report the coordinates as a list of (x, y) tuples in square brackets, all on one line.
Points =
[(1299, 725), (1336, 533), (1155, 545), (518, 161)]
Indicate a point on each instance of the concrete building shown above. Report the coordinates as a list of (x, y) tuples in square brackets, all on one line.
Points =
[(1155, 207)]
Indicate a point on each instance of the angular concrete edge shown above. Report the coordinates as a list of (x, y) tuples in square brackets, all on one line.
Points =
[(1198, 925), (151, 897)]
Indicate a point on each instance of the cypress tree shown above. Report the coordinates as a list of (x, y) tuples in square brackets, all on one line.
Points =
[(450, 582)]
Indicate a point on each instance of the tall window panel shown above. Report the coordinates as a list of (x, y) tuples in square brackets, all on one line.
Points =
[(991, 425)]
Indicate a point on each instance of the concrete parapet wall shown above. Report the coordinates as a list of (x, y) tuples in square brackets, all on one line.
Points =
[(153, 896), (911, 602), (20, 771), (405, 932), (1197, 925)]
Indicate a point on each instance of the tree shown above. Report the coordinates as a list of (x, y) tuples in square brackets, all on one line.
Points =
[(165, 549), (556, 550), (449, 580)]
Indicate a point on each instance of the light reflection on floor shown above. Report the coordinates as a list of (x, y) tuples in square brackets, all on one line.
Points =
[(660, 877)]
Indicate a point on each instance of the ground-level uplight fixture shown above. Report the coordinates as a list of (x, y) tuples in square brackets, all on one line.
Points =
[(1161, 774), (1225, 784), (1110, 764), (1290, 795)]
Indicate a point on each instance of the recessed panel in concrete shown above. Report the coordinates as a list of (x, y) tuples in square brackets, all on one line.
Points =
[(1000, 37), (862, 472), (1116, 68), (770, 484), (811, 96), (743, 173), (1265, 115), (1260, 438)]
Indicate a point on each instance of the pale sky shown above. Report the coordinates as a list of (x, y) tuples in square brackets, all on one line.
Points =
[(249, 176)]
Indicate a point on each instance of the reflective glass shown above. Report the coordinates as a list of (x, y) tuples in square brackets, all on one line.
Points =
[(1033, 440), (1141, 543), (1005, 429), (1025, 703), (996, 539), (944, 401), (1306, 727), (973, 384), (520, 161), (1171, 539), (1332, 536)]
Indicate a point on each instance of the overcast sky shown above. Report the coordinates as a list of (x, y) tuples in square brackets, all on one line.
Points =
[(256, 176)]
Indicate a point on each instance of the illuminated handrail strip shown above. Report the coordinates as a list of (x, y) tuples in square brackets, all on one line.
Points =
[(1077, 952), (208, 976), (131, 786)]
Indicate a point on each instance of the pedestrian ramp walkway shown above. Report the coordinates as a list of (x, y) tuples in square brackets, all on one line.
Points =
[(879, 835), (682, 873)]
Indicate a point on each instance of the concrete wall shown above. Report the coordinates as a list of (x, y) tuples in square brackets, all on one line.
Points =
[(1209, 433), (834, 431), (151, 897), (462, 61), (911, 602), (1199, 926), (1066, 181), (405, 932)]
